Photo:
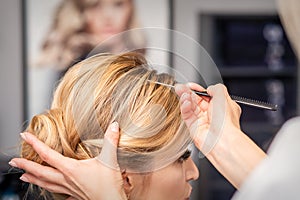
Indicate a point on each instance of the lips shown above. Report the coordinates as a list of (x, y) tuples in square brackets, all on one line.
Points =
[(109, 30), (189, 194)]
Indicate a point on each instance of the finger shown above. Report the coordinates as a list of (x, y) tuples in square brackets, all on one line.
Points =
[(47, 154), (181, 88), (199, 88), (49, 186), (218, 90), (189, 110), (217, 112), (71, 198), (195, 86), (221, 91), (186, 107), (108, 155), (193, 103), (45, 173)]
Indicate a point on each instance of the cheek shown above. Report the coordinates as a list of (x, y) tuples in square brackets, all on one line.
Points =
[(117, 18), (121, 20), (168, 184)]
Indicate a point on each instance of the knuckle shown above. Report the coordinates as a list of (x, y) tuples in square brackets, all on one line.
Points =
[(39, 175), (237, 108), (45, 156), (46, 186), (218, 87), (222, 87), (69, 169)]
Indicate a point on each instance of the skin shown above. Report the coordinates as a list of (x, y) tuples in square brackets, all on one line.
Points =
[(69, 175), (108, 17), (169, 183), (172, 182), (233, 153)]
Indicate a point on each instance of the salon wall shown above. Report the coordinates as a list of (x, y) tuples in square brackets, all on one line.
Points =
[(39, 14), (152, 13), (10, 76), (211, 185)]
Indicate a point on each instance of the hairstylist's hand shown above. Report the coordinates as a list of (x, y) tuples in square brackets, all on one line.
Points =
[(208, 118), (214, 124), (81, 179)]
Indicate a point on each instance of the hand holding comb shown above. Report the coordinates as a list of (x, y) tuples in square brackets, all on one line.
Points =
[(238, 99)]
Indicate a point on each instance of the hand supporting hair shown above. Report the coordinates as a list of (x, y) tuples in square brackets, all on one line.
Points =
[(69, 176)]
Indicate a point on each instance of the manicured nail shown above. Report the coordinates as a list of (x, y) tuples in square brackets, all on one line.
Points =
[(186, 103), (189, 85), (23, 136), (12, 163), (185, 95), (23, 178), (115, 127)]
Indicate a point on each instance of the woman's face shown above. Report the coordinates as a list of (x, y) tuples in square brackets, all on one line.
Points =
[(108, 17), (170, 183)]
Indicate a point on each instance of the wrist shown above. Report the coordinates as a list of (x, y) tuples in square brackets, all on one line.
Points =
[(235, 156)]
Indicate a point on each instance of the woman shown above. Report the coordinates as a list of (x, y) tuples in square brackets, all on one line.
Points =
[(78, 27), (153, 147)]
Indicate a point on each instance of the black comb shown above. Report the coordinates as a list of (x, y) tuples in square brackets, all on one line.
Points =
[(238, 99), (245, 101)]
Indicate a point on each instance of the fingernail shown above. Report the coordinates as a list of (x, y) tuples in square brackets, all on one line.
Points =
[(23, 136), (185, 95), (12, 163), (23, 178), (186, 103), (115, 127)]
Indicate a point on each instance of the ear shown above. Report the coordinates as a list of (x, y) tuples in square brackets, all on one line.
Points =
[(127, 182)]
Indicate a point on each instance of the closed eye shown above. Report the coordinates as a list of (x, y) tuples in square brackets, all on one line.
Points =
[(184, 156)]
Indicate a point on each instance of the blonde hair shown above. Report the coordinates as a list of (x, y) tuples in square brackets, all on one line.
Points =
[(69, 39), (102, 89)]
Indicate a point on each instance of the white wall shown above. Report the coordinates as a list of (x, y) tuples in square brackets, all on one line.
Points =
[(10, 76), (187, 20), (154, 13)]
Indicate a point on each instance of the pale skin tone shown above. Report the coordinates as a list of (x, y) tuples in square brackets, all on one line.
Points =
[(108, 17), (169, 183), (234, 154), (70, 175)]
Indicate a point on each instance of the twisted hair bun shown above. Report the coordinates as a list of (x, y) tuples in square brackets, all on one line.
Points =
[(50, 128)]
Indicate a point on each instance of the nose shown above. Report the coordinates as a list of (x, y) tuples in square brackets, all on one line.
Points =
[(107, 12), (192, 172)]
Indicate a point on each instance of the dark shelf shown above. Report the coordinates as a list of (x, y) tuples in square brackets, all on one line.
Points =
[(221, 185), (259, 127), (256, 72), (240, 48)]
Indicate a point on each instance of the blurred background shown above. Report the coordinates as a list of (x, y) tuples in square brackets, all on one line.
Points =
[(250, 41)]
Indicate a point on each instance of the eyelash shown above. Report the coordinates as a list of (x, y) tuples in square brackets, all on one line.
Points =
[(185, 156)]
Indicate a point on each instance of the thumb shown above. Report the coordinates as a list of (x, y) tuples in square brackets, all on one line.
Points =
[(108, 155), (180, 89)]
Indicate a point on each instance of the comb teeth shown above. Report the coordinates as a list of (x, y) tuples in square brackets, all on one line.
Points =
[(254, 103), (246, 101), (238, 99)]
